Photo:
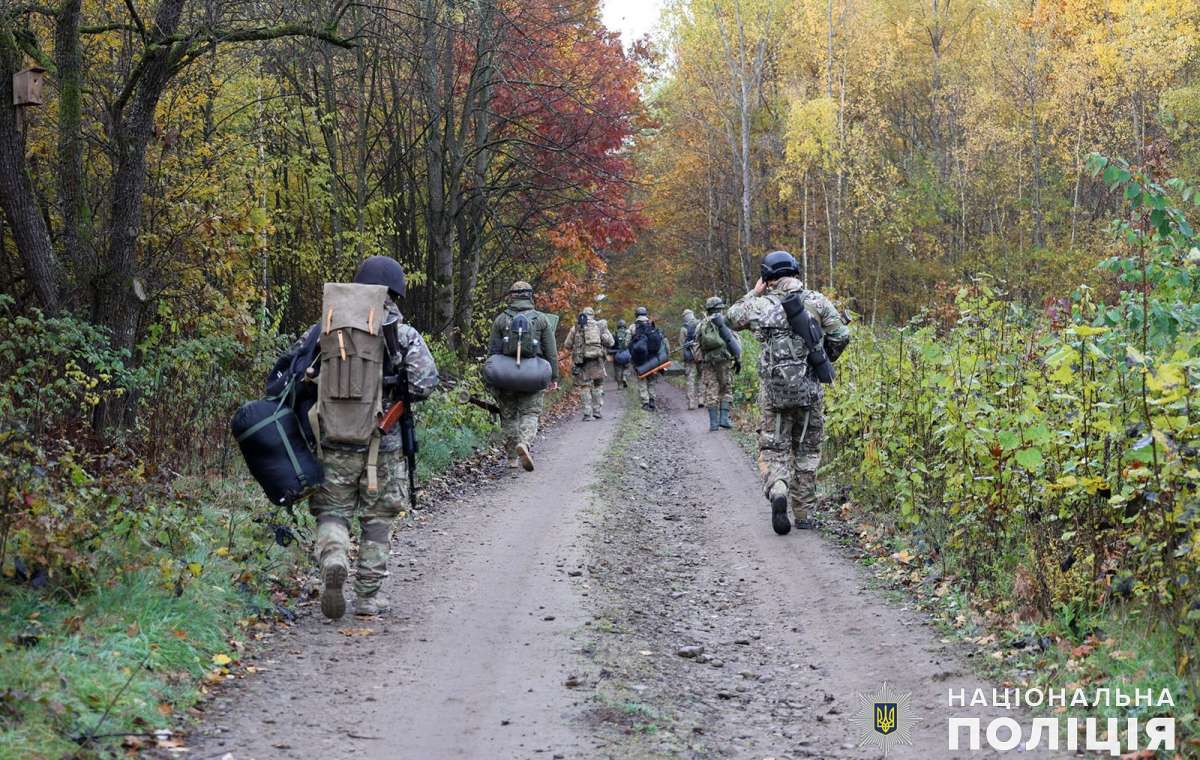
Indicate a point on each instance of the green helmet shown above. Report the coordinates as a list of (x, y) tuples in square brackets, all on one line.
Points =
[(641, 311), (716, 303), (620, 323), (520, 286)]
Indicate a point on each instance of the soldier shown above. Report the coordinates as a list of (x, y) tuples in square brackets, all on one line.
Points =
[(718, 352), (691, 365), (645, 385), (621, 343), (520, 412), (793, 423), (589, 341), (346, 493)]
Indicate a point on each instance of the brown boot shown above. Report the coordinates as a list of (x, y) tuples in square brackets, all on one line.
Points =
[(525, 457), (333, 578)]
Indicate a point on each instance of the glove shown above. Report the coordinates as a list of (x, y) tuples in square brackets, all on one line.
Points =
[(737, 366)]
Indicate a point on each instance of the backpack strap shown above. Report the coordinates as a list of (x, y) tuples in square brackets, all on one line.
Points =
[(373, 464), (314, 421)]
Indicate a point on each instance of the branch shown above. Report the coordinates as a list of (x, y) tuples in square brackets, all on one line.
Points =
[(327, 34)]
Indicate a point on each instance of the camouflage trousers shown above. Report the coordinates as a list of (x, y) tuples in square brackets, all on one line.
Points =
[(519, 416), (790, 451), (718, 383), (592, 392), (622, 371), (692, 379), (344, 497), (645, 386)]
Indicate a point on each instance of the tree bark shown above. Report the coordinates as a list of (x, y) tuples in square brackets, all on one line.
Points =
[(17, 198)]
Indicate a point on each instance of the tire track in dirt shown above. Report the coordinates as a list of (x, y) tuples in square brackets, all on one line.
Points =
[(684, 556)]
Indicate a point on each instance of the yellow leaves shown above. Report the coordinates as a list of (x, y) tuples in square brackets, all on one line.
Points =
[(221, 660)]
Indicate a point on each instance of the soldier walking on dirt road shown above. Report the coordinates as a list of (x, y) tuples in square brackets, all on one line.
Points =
[(720, 356), (589, 341), (793, 421), (520, 413)]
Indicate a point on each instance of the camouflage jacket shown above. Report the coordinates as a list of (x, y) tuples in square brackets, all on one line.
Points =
[(750, 308), (547, 343)]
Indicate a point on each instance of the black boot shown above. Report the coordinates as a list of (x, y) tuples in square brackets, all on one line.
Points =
[(779, 515)]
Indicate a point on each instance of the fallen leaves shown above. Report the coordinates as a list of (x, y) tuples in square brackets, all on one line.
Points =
[(356, 632)]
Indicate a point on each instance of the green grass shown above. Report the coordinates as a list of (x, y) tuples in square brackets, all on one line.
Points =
[(138, 642)]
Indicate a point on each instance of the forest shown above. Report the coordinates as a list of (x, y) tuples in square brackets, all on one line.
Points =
[(1000, 193)]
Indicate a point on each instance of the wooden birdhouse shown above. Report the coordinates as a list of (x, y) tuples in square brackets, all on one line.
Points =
[(29, 87)]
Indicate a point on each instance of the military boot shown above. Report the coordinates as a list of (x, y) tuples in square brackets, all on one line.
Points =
[(779, 508), (723, 419), (375, 604), (333, 577), (713, 420), (525, 457)]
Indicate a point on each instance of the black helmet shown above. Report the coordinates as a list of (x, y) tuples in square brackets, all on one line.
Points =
[(382, 270), (641, 311), (778, 264)]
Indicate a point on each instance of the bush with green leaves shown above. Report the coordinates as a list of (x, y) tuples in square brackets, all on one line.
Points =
[(1058, 444)]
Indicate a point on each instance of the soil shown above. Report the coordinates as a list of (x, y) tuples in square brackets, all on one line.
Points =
[(628, 598)]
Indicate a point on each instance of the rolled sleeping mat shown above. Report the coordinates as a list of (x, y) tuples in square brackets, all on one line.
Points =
[(655, 363), (804, 324), (622, 357), (268, 434), (502, 372)]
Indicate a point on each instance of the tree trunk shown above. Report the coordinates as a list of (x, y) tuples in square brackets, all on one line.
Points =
[(17, 198), (70, 135)]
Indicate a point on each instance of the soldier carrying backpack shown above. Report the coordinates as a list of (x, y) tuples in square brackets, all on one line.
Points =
[(691, 357), (368, 360), (522, 332), (648, 349), (620, 354), (719, 352), (589, 340), (801, 333)]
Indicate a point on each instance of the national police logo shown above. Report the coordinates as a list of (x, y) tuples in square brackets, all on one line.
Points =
[(885, 719)]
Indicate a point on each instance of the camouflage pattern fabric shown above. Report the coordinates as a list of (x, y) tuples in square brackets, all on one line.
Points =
[(789, 452), (344, 497), (519, 417), (718, 383), (592, 392), (645, 386), (692, 379)]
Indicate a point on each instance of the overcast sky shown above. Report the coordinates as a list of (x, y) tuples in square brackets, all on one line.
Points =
[(632, 18)]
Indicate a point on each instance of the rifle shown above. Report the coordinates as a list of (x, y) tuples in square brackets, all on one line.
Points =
[(401, 410)]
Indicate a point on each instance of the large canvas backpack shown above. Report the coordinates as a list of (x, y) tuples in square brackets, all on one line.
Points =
[(647, 340), (712, 343), (350, 385), (523, 329), (783, 367), (589, 340)]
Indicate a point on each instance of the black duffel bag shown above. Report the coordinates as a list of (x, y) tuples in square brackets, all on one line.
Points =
[(503, 373), (268, 433)]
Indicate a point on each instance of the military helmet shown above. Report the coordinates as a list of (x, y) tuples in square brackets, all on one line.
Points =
[(641, 311), (778, 264), (382, 270), (588, 310), (621, 323), (714, 303), (520, 286)]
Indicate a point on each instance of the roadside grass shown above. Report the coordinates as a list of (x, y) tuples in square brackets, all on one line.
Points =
[(1110, 648), (133, 653)]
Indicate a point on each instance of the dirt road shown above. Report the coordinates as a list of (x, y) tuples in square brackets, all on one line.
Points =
[(546, 615)]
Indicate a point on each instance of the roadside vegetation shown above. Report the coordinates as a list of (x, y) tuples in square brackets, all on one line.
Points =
[(1034, 471), (137, 570)]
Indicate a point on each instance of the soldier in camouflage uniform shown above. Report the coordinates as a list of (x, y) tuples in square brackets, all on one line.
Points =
[(645, 385), (344, 495), (520, 413), (590, 371), (721, 358), (621, 343), (691, 362), (789, 442)]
